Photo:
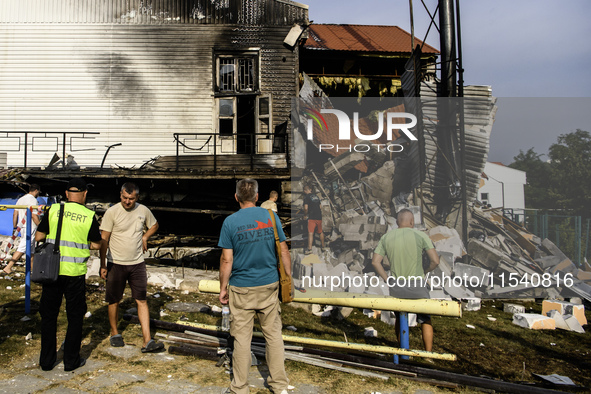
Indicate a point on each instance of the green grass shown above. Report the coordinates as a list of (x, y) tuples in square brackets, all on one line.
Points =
[(497, 349)]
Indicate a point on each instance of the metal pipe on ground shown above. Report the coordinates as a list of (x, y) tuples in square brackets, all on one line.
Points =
[(367, 301), (345, 345), (466, 380)]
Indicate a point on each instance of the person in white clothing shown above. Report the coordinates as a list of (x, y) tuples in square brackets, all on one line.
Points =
[(271, 203), (29, 199)]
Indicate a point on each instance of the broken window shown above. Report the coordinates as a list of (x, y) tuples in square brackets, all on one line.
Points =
[(248, 120), (264, 135), (226, 116), (237, 73)]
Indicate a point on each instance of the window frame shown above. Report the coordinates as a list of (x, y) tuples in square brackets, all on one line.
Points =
[(236, 56)]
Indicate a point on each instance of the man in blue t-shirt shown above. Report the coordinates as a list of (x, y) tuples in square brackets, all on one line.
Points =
[(249, 283)]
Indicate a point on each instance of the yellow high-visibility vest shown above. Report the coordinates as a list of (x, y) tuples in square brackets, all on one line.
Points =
[(74, 245)]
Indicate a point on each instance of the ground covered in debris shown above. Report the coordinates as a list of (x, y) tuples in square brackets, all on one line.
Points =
[(486, 342)]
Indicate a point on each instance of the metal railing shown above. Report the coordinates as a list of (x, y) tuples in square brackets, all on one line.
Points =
[(565, 231), (45, 134), (253, 145)]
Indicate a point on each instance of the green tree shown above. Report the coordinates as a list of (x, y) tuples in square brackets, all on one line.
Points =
[(538, 175), (570, 160)]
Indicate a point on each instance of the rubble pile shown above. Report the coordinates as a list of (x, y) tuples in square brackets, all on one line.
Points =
[(501, 259), (519, 264)]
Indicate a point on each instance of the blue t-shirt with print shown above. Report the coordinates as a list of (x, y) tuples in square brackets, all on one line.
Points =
[(249, 233)]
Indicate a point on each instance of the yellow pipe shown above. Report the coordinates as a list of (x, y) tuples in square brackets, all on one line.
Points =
[(5, 207), (20, 206), (367, 301), (341, 345)]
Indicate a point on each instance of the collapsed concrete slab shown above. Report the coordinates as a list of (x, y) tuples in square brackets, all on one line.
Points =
[(565, 266), (548, 261), (573, 324), (550, 248), (485, 254), (513, 308), (558, 319), (565, 308), (582, 275), (471, 304), (474, 276), (534, 321)]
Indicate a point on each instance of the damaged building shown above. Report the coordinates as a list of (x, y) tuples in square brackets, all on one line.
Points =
[(361, 188), (181, 96)]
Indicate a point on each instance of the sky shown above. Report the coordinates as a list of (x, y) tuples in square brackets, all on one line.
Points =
[(524, 49)]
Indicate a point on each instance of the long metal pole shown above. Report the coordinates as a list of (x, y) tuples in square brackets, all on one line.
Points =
[(412, 27), (28, 263), (463, 179), (340, 345), (367, 301)]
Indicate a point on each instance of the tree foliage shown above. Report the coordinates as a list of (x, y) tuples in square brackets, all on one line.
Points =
[(538, 179), (564, 181), (570, 159)]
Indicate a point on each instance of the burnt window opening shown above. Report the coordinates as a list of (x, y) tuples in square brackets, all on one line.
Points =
[(245, 123), (226, 117), (237, 74)]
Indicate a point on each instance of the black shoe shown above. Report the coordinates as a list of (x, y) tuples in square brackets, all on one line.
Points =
[(117, 341), (81, 363), (50, 367), (152, 346)]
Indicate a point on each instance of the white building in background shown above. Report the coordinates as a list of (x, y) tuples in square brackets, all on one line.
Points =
[(502, 187)]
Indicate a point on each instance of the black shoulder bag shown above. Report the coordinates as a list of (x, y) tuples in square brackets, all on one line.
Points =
[(46, 265)]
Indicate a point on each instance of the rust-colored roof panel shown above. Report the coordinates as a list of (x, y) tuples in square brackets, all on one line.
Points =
[(362, 38)]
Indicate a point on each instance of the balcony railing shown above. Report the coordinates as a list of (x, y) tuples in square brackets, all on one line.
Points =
[(252, 146), (52, 141)]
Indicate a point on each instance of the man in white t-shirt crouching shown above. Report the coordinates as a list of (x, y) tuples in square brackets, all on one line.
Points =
[(19, 219), (126, 228)]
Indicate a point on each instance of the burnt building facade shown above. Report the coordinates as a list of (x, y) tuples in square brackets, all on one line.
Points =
[(175, 94)]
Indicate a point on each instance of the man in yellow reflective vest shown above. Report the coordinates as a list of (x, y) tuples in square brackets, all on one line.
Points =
[(80, 233)]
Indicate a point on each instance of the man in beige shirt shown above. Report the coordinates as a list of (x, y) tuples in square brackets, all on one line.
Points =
[(271, 203), (126, 228)]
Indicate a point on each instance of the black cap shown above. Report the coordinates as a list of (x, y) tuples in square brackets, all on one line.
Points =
[(76, 185)]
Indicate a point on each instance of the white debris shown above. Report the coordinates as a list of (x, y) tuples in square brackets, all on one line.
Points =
[(370, 332), (534, 321)]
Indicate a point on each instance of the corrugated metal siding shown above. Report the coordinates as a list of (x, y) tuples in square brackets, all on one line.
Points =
[(252, 12), (480, 110), (135, 85)]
